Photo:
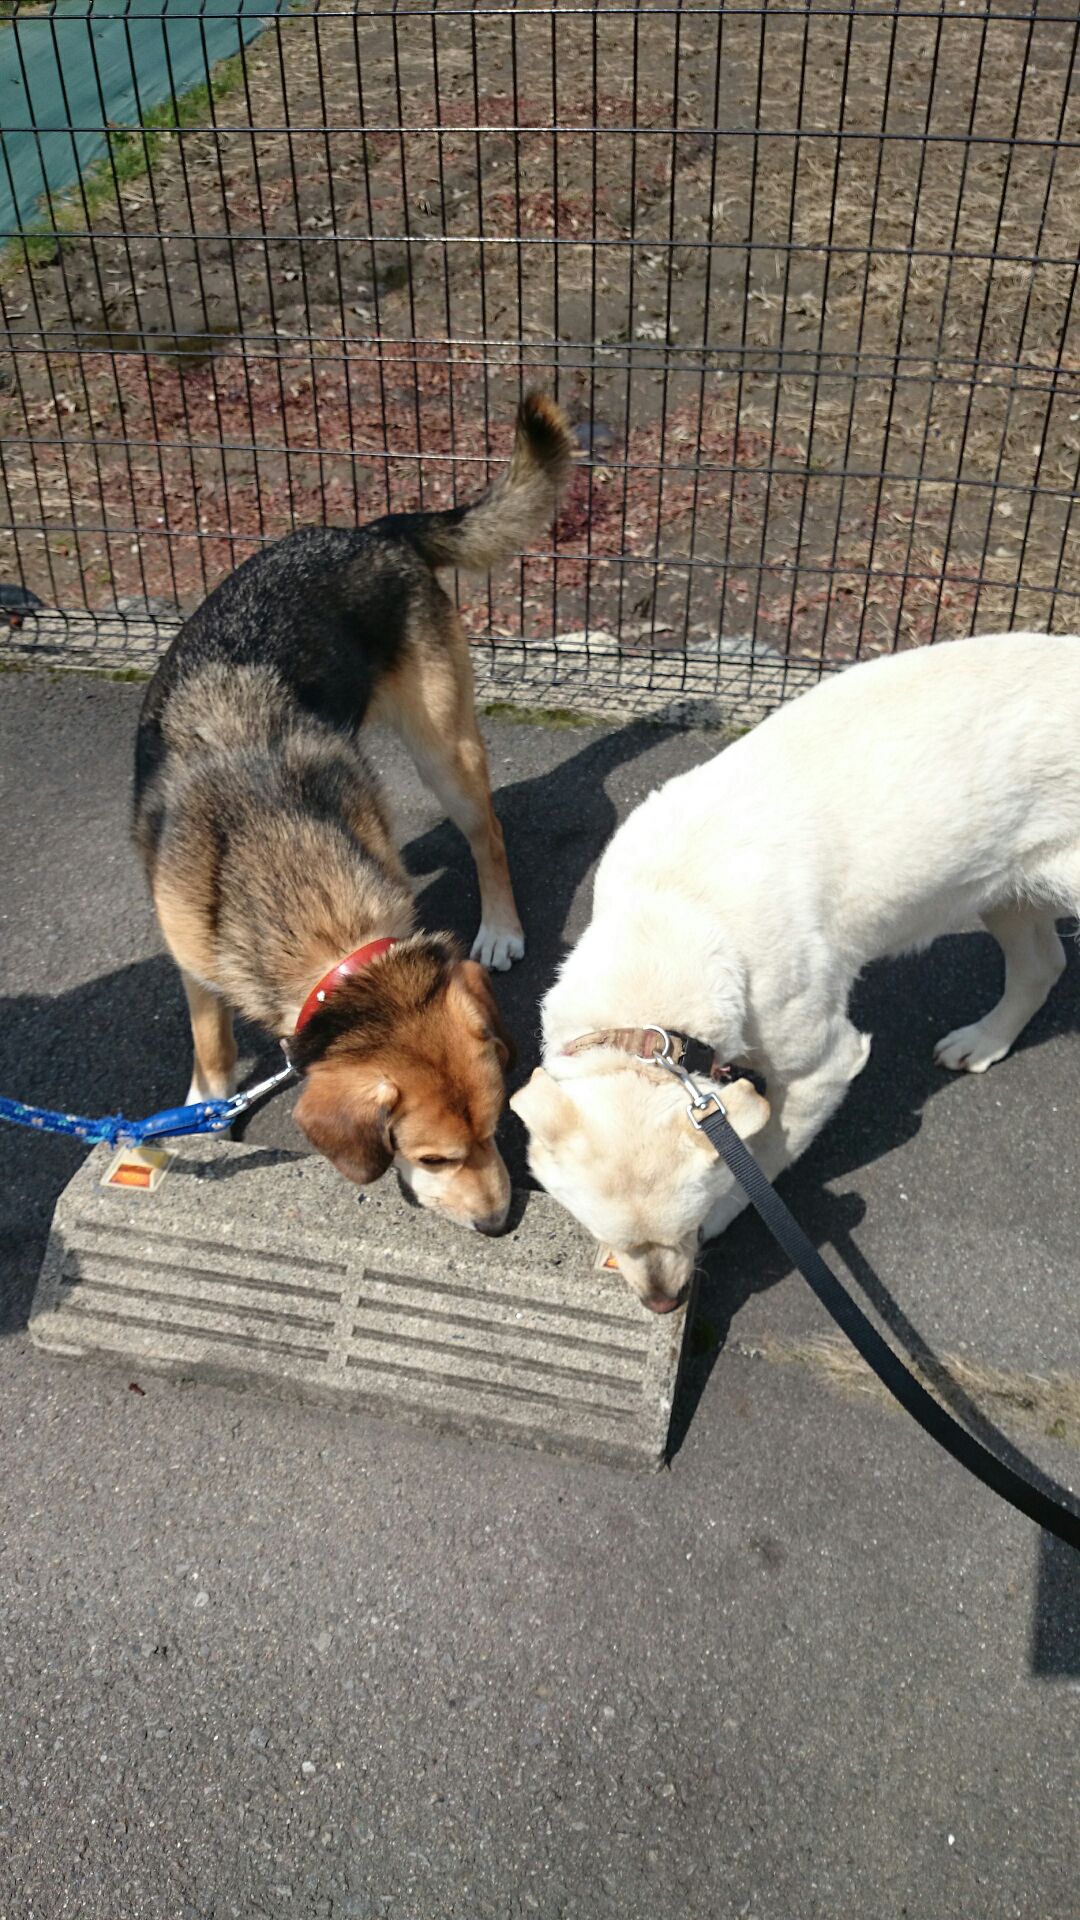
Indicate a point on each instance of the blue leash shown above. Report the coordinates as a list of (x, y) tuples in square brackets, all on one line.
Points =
[(205, 1116)]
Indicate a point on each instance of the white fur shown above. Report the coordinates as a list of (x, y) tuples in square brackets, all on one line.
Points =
[(497, 947), (201, 1089), (893, 803)]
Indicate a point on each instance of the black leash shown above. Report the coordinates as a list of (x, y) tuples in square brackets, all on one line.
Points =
[(866, 1340), (680, 1055)]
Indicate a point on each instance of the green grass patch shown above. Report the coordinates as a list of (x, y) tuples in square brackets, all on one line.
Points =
[(50, 670), (125, 675), (132, 152)]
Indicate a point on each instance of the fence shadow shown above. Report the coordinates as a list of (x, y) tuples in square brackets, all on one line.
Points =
[(1055, 1624)]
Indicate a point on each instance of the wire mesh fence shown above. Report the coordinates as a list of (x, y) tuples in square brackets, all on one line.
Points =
[(804, 278)]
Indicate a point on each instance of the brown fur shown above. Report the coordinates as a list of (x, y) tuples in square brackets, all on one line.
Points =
[(526, 496), (212, 1036), (267, 842), (406, 1062), (429, 701)]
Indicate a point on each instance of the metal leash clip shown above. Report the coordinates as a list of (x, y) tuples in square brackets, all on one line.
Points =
[(700, 1106)]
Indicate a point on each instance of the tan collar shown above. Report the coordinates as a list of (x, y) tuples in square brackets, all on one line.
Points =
[(664, 1046)]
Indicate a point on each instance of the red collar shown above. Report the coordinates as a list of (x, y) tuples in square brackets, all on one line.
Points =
[(344, 969)]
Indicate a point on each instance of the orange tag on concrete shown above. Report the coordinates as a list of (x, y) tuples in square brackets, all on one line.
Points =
[(605, 1260), (139, 1169)]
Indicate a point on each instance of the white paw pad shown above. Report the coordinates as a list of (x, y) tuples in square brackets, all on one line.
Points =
[(971, 1049), (498, 947)]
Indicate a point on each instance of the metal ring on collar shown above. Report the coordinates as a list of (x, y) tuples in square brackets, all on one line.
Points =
[(663, 1059), (700, 1106)]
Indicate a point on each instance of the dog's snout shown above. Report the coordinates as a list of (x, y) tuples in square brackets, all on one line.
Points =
[(663, 1302), (661, 1278), (492, 1223)]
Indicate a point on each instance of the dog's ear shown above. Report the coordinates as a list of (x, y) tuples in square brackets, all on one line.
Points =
[(473, 980), (346, 1114), (547, 1111)]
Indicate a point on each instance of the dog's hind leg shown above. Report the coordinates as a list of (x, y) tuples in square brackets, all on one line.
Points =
[(214, 1073), (429, 701), (460, 778), (1034, 958)]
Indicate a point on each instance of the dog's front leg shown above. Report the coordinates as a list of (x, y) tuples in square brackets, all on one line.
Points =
[(213, 1075), (725, 1210)]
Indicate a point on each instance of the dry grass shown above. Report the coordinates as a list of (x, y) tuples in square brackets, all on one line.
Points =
[(1047, 1402)]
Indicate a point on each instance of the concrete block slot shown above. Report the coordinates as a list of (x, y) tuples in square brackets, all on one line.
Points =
[(262, 1267)]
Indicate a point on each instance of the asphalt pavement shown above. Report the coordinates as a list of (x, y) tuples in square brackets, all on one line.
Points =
[(268, 1659)]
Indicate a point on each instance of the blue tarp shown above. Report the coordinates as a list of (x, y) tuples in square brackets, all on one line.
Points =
[(66, 74)]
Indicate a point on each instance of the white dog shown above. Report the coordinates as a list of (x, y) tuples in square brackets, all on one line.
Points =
[(893, 803)]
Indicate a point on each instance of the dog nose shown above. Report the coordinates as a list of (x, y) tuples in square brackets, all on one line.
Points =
[(491, 1224), (660, 1302)]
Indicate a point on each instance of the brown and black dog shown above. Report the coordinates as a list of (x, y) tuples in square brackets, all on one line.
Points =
[(267, 846)]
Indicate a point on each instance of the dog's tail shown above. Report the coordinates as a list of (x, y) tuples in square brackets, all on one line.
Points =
[(513, 512)]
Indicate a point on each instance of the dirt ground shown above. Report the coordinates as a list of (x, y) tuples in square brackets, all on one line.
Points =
[(812, 404)]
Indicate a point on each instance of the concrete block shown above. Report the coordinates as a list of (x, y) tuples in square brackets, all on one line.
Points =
[(259, 1266)]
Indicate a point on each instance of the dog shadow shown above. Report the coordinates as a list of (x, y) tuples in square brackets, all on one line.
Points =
[(557, 824), (118, 1044), (923, 995), (122, 1043)]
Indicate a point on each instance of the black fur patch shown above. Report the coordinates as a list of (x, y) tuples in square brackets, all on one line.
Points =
[(325, 607), (219, 839)]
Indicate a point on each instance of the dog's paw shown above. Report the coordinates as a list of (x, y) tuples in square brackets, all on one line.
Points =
[(971, 1049), (498, 947), (199, 1091)]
